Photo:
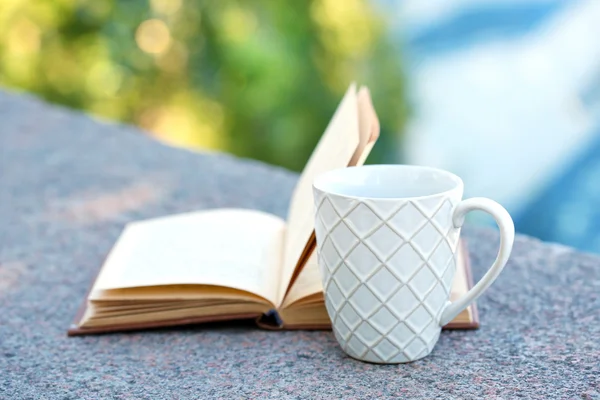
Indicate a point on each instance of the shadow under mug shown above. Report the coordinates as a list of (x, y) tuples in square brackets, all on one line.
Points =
[(387, 237)]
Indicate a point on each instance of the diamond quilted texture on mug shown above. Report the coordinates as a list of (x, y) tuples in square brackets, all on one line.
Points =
[(330, 255), (402, 303), (449, 275), (367, 334), (452, 236), (430, 333), (318, 197), (419, 319), (383, 320), (329, 216), (323, 268), (355, 347), (429, 206), (423, 282), (320, 230), (383, 242), (338, 337), (440, 258), (405, 262), (362, 220), (331, 311), (436, 299), (383, 284), (341, 330), (385, 350), (343, 205), (343, 239), (362, 261), (415, 348), (345, 280), (401, 335), (384, 209), (349, 316), (426, 240), (364, 302), (407, 220), (334, 295), (399, 358), (443, 217), (370, 356)]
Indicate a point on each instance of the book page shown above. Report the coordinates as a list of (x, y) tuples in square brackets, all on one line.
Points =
[(307, 283), (233, 248), (334, 150), (368, 126), (347, 141)]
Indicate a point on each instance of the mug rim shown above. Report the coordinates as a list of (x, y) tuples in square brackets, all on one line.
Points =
[(319, 181)]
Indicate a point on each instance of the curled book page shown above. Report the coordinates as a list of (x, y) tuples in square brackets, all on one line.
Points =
[(347, 141)]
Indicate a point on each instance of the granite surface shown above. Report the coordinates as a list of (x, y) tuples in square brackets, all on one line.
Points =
[(68, 183)]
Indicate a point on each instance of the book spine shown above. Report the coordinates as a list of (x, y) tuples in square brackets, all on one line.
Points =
[(274, 315)]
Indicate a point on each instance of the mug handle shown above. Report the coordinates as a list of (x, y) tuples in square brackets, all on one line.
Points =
[(507, 237)]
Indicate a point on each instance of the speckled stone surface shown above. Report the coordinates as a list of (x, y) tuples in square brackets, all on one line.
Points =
[(68, 184)]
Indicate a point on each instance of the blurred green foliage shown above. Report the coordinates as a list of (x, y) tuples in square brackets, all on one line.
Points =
[(259, 79)]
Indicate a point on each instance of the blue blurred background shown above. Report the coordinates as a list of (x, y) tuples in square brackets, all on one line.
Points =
[(504, 93), (507, 95)]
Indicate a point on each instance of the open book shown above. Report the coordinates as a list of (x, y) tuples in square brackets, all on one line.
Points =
[(229, 264)]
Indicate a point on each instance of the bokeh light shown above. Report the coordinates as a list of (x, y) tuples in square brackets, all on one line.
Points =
[(153, 36), (255, 78)]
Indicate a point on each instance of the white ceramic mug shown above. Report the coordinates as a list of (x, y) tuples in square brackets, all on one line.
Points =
[(387, 237)]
